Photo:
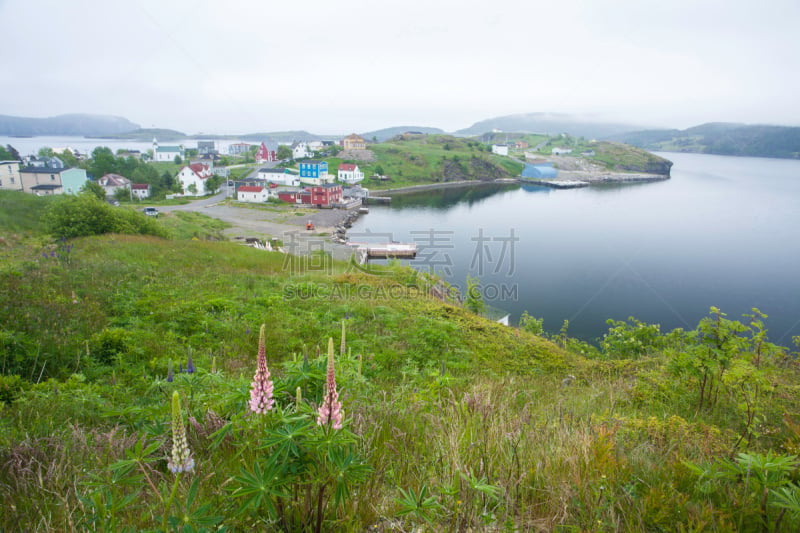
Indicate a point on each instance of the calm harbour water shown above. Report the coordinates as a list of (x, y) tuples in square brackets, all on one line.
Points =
[(722, 232)]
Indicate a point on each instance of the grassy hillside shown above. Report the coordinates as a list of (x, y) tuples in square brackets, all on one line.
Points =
[(449, 422), (437, 159)]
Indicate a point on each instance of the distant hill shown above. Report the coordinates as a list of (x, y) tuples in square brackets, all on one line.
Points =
[(720, 138), (285, 136), (387, 133), (147, 134), (548, 123), (75, 124)]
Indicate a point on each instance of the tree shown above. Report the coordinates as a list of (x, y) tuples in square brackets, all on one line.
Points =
[(178, 160), (103, 162), (68, 158), (474, 299), (45, 151), (122, 195), (213, 184), (5, 155), (167, 181), (95, 189), (284, 152)]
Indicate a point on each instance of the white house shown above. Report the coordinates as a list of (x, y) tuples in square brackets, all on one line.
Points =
[(349, 173), (140, 190), (300, 150), (195, 174), (315, 146), (113, 183), (9, 176), (281, 176), (253, 193), (500, 149), (561, 151), (166, 153)]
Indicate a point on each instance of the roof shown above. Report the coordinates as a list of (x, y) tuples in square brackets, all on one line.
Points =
[(313, 162), (347, 166), (250, 188), (11, 161), (42, 170), (168, 149), (46, 187), (354, 137), (199, 167), (140, 186), (114, 180)]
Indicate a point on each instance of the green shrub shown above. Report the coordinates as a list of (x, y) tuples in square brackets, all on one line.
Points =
[(83, 215)]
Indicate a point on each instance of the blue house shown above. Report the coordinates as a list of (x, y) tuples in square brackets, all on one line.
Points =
[(314, 171), (539, 171)]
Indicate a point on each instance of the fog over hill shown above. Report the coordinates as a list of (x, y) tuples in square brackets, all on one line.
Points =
[(72, 124), (549, 123)]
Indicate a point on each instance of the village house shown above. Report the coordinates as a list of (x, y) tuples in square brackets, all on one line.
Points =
[(48, 180), (326, 195), (207, 148), (140, 190), (300, 150), (281, 176), (500, 149), (561, 151), (265, 155), (315, 146), (166, 153), (9, 176), (349, 173), (253, 193), (192, 179), (354, 142), (238, 148), (314, 172), (521, 145), (114, 182)]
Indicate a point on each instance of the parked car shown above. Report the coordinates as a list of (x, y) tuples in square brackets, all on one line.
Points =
[(150, 211)]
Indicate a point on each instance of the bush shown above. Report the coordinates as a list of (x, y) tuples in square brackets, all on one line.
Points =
[(83, 215)]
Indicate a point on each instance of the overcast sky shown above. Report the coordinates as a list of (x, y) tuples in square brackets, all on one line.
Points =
[(327, 66)]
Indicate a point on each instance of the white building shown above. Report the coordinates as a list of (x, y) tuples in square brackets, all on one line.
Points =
[(113, 183), (300, 150), (281, 176), (349, 173), (315, 146), (561, 151), (140, 190), (195, 175), (166, 153), (253, 194), (9, 176), (500, 149)]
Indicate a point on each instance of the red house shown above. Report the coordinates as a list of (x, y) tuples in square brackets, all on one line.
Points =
[(320, 196), (264, 155)]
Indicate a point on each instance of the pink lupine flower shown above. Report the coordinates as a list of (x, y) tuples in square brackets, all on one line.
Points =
[(181, 459), (261, 399), (330, 412)]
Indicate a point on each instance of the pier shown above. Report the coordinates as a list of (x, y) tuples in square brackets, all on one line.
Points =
[(367, 251)]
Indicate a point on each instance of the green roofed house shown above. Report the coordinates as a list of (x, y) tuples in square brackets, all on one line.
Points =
[(166, 153)]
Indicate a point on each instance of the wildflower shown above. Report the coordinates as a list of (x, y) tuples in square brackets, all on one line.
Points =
[(261, 399), (344, 344), (330, 412), (190, 363), (170, 372), (181, 460)]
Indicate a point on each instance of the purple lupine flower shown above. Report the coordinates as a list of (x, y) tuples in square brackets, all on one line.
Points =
[(261, 399), (190, 364), (170, 372), (181, 459), (330, 412)]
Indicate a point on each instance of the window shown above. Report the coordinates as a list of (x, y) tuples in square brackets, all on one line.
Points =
[(52, 177)]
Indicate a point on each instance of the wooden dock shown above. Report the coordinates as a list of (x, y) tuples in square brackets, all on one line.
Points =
[(366, 251)]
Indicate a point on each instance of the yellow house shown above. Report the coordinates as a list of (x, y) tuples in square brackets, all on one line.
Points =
[(354, 142)]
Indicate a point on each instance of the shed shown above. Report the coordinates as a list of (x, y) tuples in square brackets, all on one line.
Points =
[(539, 171)]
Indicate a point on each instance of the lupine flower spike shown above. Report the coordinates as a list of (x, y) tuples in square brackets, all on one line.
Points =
[(261, 399), (344, 344), (330, 412), (190, 363), (181, 460), (170, 372)]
